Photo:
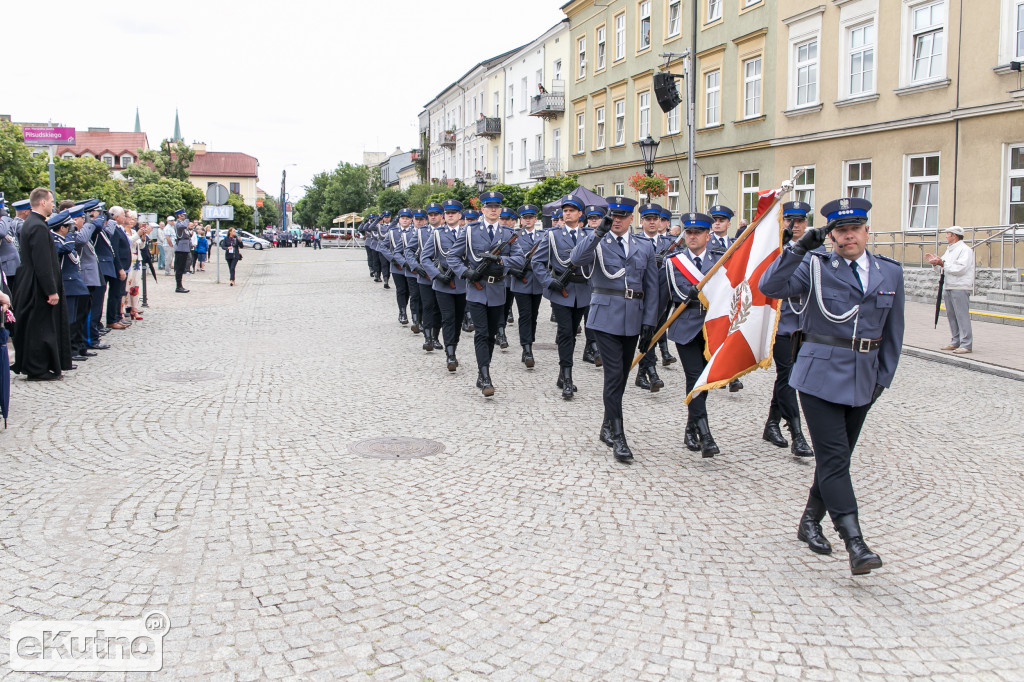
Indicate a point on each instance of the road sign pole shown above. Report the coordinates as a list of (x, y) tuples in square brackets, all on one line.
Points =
[(53, 175), (218, 252)]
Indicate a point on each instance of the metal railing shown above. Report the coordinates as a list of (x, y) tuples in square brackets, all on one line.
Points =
[(545, 168), (547, 104), (488, 126)]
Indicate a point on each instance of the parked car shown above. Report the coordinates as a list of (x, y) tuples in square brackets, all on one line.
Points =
[(251, 241)]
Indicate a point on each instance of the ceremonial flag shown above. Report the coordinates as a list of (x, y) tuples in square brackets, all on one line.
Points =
[(741, 321)]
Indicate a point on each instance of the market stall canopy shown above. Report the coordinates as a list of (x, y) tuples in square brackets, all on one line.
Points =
[(584, 195)]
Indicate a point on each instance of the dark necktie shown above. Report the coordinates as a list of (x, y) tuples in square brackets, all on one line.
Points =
[(856, 274), (572, 233), (622, 245), (490, 231), (696, 261)]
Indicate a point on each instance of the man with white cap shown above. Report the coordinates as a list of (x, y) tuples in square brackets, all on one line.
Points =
[(957, 264)]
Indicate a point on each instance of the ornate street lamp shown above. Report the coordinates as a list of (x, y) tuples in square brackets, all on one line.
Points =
[(480, 184), (648, 150)]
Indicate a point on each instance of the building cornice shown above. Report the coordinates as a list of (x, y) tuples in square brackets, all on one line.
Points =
[(711, 51), (754, 35), (820, 9)]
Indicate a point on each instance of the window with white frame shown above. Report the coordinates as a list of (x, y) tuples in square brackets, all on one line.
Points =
[(538, 147), (620, 122), (712, 98), (750, 182), (620, 37), (673, 194), (750, 3), (1015, 186), (861, 59), (558, 70), (803, 188), (523, 95), (752, 88), (857, 179), (643, 115), (511, 100), (600, 48), (710, 191), (1018, 32), (927, 41), (675, 14), (644, 37), (108, 159), (581, 122), (620, 189), (67, 155), (510, 162), (599, 190), (556, 144), (540, 78), (714, 12), (923, 191), (581, 57), (805, 72), (672, 121), (599, 128), (522, 155), (126, 160)]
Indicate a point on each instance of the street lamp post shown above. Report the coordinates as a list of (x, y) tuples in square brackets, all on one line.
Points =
[(480, 184), (648, 150)]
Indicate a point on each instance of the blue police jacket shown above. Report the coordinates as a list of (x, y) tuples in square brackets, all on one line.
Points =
[(553, 257), (417, 238), (103, 243), (435, 254), (465, 255), (690, 322), (10, 259), (69, 266), (846, 376), (528, 282), (615, 270)]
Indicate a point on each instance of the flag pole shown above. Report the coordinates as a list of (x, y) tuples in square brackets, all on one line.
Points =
[(700, 285)]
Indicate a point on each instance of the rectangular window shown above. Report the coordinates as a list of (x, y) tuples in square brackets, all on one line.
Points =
[(126, 160), (620, 121), (581, 58), (558, 69), (750, 183), (710, 191), (806, 72), (923, 191), (556, 143), (580, 130), (643, 115), (712, 98), (1019, 32), (1015, 179), (599, 128), (804, 189), (522, 155), (672, 121), (620, 37), (862, 59), (108, 159), (673, 194), (510, 162), (928, 40), (540, 78), (752, 88), (857, 180), (235, 188), (644, 37), (714, 13), (599, 190), (511, 100), (538, 147), (674, 17), (600, 48), (523, 95), (620, 189)]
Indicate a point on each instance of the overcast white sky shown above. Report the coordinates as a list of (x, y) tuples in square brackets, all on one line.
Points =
[(309, 82)]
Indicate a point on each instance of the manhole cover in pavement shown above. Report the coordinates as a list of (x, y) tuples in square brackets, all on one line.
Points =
[(545, 346), (395, 448), (190, 376)]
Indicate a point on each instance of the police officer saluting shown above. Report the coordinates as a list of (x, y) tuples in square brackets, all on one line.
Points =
[(449, 289), (10, 259), (784, 404), (852, 337), (623, 307), (525, 287)]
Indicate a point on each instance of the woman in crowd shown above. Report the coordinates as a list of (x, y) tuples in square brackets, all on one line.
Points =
[(232, 246)]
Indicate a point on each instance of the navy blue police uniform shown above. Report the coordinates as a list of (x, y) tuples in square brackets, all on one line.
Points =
[(526, 289), (449, 288)]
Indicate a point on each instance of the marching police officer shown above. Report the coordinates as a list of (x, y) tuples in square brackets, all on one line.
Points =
[(424, 221), (784, 404), (650, 220), (624, 307), (687, 332), (526, 288), (449, 289), (507, 218), (369, 230), (852, 337), (483, 253), (394, 248), (409, 265), (664, 227), (566, 286), (10, 259), (380, 239), (91, 276)]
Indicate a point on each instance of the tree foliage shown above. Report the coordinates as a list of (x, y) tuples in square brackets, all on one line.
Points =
[(80, 179), (141, 174), (550, 189), (170, 161), (166, 196), (243, 213), (419, 196), (20, 172), (459, 191), (515, 196), (270, 212), (392, 200)]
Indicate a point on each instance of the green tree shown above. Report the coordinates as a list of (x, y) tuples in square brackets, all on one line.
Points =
[(113, 192), (166, 196), (270, 212), (20, 172), (170, 161), (419, 196), (550, 189), (81, 178), (515, 196), (140, 174), (347, 191), (306, 210), (391, 200), (243, 213), (459, 191)]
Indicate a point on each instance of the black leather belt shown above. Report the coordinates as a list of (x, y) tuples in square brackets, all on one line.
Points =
[(628, 294), (859, 345), (695, 303), (494, 280)]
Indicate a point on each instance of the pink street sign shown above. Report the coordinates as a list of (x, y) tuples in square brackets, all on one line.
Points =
[(44, 135)]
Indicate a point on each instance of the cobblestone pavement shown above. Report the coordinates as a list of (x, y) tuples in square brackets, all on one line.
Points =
[(205, 467)]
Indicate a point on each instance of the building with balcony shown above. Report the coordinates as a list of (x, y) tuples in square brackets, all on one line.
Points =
[(398, 169)]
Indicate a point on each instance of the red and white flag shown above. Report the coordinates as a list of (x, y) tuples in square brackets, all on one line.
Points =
[(685, 266), (741, 321)]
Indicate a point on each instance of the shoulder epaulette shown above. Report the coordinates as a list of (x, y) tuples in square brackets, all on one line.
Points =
[(886, 258), (820, 254)]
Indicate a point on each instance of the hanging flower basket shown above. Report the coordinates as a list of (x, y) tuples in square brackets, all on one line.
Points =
[(474, 202), (653, 186)]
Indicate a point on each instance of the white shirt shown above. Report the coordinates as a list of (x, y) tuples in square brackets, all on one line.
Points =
[(958, 264), (863, 263), (625, 242), (698, 255)]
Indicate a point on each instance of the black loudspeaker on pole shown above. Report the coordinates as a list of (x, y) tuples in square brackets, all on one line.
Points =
[(666, 92)]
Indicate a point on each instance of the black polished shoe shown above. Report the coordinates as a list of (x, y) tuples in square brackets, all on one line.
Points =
[(453, 363), (666, 356), (181, 290), (800, 446), (772, 432), (99, 346), (862, 559), (49, 376), (428, 341), (402, 317), (376, 278), (656, 383), (103, 332), (597, 354), (567, 388), (386, 285), (588, 353), (641, 379), (553, 316), (80, 358), (606, 432), (620, 448), (735, 385), (691, 440), (708, 447), (527, 358), (561, 383), (809, 530), (510, 319), (484, 382), (415, 328), (73, 366), (501, 338), (86, 353), (437, 340), (467, 324)]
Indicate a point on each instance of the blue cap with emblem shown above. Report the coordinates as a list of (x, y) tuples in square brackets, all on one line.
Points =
[(598, 211), (718, 210), (650, 208), (405, 213), (572, 201), (795, 209), (452, 205), (666, 214), (846, 211), (470, 214), (556, 214), (434, 207), (696, 221), (23, 205), (419, 213), (507, 213), (386, 214), (180, 211), (528, 209), (58, 219), (492, 198), (621, 206), (77, 211)]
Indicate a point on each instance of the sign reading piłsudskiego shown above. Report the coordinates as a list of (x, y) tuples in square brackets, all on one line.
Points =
[(226, 212), (45, 135)]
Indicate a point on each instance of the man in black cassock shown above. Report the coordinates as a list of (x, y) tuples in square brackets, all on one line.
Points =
[(42, 339)]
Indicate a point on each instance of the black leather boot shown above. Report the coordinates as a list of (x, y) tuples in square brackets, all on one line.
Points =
[(501, 338), (567, 388), (553, 316), (606, 432), (597, 354), (415, 324), (386, 285), (428, 340), (809, 530), (691, 439), (641, 379), (666, 356), (528, 354), (402, 317), (484, 382), (467, 323), (772, 432), (510, 319), (656, 383), (862, 559), (588, 353), (708, 447), (453, 363), (376, 278), (800, 446), (620, 448), (561, 379)]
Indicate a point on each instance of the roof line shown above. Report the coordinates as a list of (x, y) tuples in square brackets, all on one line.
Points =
[(474, 68)]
